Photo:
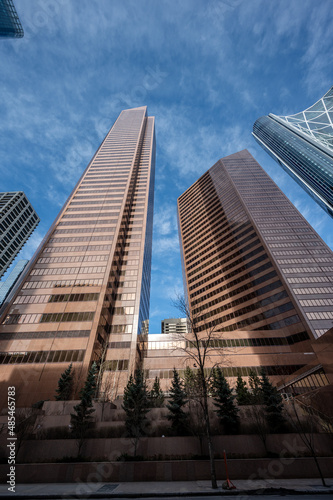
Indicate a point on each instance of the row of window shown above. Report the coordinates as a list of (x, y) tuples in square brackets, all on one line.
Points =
[(305, 291), (311, 279), (116, 365), (125, 296), (316, 302), (82, 248), (304, 261), (292, 270), (119, 345), (19, 319), (87, 215), (45, 335), (320, 315), (41, 357), (123, 310), (299, 252), (231, 371), (42, 299), (94, 229), (121, 329), (77, 239), (87, 222), (61, 283), (76, 258), (295, 244), (67, 270)]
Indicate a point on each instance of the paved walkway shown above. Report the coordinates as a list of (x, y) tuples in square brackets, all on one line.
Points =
[(163, 489)]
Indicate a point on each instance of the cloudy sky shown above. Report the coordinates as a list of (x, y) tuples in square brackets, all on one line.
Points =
[(206, 69)]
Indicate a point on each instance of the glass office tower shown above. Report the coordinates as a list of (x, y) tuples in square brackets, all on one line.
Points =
[(256, 271), (302, 144), (85, 294), (10, 24)]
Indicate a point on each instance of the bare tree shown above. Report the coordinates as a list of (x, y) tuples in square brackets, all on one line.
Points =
[(305, 425), (200, 344)]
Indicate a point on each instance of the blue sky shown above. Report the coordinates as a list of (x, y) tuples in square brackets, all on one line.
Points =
[(205, 69)]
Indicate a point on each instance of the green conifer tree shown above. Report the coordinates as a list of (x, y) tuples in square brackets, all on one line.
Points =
[(65, 385), (156, 394), (243, 394), (177, 401), (82, 417), (273, 404), (256, 392), (224, 400), (136, 406)]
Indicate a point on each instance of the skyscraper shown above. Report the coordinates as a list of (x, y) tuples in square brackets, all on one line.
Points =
[(17, 222), (302, 144), (85, 294), (10, 24), (255, 270)]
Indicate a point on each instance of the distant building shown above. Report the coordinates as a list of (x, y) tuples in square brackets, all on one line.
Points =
[(7, 285), (174, 325), (302, 144), (18, 220), (10, 24)]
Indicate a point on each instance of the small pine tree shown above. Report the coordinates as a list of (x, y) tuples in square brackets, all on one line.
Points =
[(82, 417), (176, 403), (65, 385), (136, 406), (156, 394), (243, 394), (223, 399), (256, 392), (273, 404)]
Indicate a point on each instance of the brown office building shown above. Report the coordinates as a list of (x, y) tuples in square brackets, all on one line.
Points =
[(85, 293), (255, 270)]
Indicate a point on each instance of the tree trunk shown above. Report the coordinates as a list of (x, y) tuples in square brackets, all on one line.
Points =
[(319, 469), (209, 439)]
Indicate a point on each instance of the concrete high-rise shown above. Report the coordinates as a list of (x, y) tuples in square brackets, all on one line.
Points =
[(174, 325), (256, 271), (18, 220), (85, 294), (302, 144)]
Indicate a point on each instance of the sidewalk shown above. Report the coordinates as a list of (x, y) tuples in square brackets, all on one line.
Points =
[(164, 489)]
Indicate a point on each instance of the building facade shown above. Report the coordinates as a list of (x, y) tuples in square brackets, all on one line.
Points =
[(85, 293), (7, 285), (174, 325), (18, 220), (302, 144), (10, 24), (257, 274)]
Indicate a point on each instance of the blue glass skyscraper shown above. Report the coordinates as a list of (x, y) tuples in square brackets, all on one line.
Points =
[(302, 144), (10, 24)]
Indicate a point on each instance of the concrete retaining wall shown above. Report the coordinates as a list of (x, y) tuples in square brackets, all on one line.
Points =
[(190, 470)]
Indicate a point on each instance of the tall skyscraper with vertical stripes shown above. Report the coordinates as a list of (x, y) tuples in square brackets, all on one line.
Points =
[(85, 294)]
